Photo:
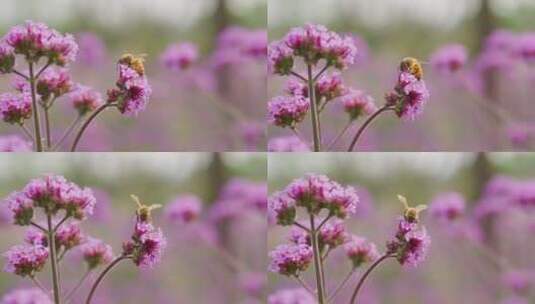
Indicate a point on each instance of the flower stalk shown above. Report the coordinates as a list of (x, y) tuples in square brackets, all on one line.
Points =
[(53, 260), (316, 132)]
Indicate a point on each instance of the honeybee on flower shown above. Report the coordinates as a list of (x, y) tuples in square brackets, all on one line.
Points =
[(411, 214), (143, 211), (412, 66), (136, 62)]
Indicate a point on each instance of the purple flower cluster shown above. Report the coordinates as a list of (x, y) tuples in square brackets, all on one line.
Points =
[(95, 253), (313, 43), (290, 259), (447, 207), (282, 208), (449, 58), (25, 260), (69, 236), (13, 143), (238, 197), (7, 58), (332, 234), (15, 108), (37, 40), (360, 251), (408, 97), (410, 243), (184, 209), (287, 144), (133, 90), (236, 45), (146, 245), (330, 86), (180, 56), (291, 296), (26, 296), (287, 111), (504, 193), (357, 103), (85, 100), (54, 82)]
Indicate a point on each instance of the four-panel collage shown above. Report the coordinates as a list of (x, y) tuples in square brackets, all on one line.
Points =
[(267, 152)]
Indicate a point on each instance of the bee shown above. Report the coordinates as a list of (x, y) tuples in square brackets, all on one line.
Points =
[(136, 62), (413, 66), (143, 211), (411, 214)]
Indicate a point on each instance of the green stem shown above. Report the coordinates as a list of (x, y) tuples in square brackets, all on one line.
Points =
[(361, 281), (314, 110), (366, 123), (53, 261), (47, 129), (36, 122), (86, 124), (102, 275), (317, 262)]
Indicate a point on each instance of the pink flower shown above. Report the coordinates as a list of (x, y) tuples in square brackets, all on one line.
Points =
[(290, 259), (357, 103), (408, 97), (180, 56), (447, 207), (26, 296), (25, 260), (21, 208), (146, 246), (55, 82), (184, 209), (282, 208), (236, 45), (360, 251), (332, 234), (95, 253), (85, 99), (280, 58), (133, 90), (330, 86), (13, 143), (449, 59), (7, 58), (287, 111), (296, 87), (15, 108), (414, 248), (525, 47), (92, 49), (36, 237), (69, 236)]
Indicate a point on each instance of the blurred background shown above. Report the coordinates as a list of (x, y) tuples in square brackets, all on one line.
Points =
[(483, 256), (223, 98), (485, 106), (199, 264)]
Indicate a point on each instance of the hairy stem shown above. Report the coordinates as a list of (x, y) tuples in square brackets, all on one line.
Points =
[(366, 274), (36, 122), (103, 274), (87, 123), (366, 123), (317, 262), (314, 110), (53, 261)]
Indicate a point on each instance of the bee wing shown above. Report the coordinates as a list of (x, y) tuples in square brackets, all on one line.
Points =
[(154, 206), (403, 200), (136, 199), (420, 208)]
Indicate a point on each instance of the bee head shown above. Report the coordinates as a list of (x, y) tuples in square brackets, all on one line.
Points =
[(137, 63)]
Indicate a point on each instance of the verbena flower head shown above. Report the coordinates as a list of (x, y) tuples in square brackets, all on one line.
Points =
[(287, 144), (95, 253), (36, 237), (180, 56), (410, 244), (280, 58), (332, 234), (282, 207), (239, 197), (36, 40), (15, 108), (146, 245), (360, 251), (20, 84), (253, 283), (92, 49), (330, 86), (236, 45), (26, 296), (315, 42), (409, 96), (184, 209), (519, 281), (290, 259), (525, 47), (21, 208), (291, 296), (447, 207), (25, 260), (85, 100), (54, 193), (133, 90), (357, 103), (69, 235), (14, 143), (7, 58), (287, 111), (296, 87), (56, 82), (449, 59)]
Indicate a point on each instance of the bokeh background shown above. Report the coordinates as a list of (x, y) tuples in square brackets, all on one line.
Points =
[(192, 270), (467, 111), (201, 109), (459, 268)]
